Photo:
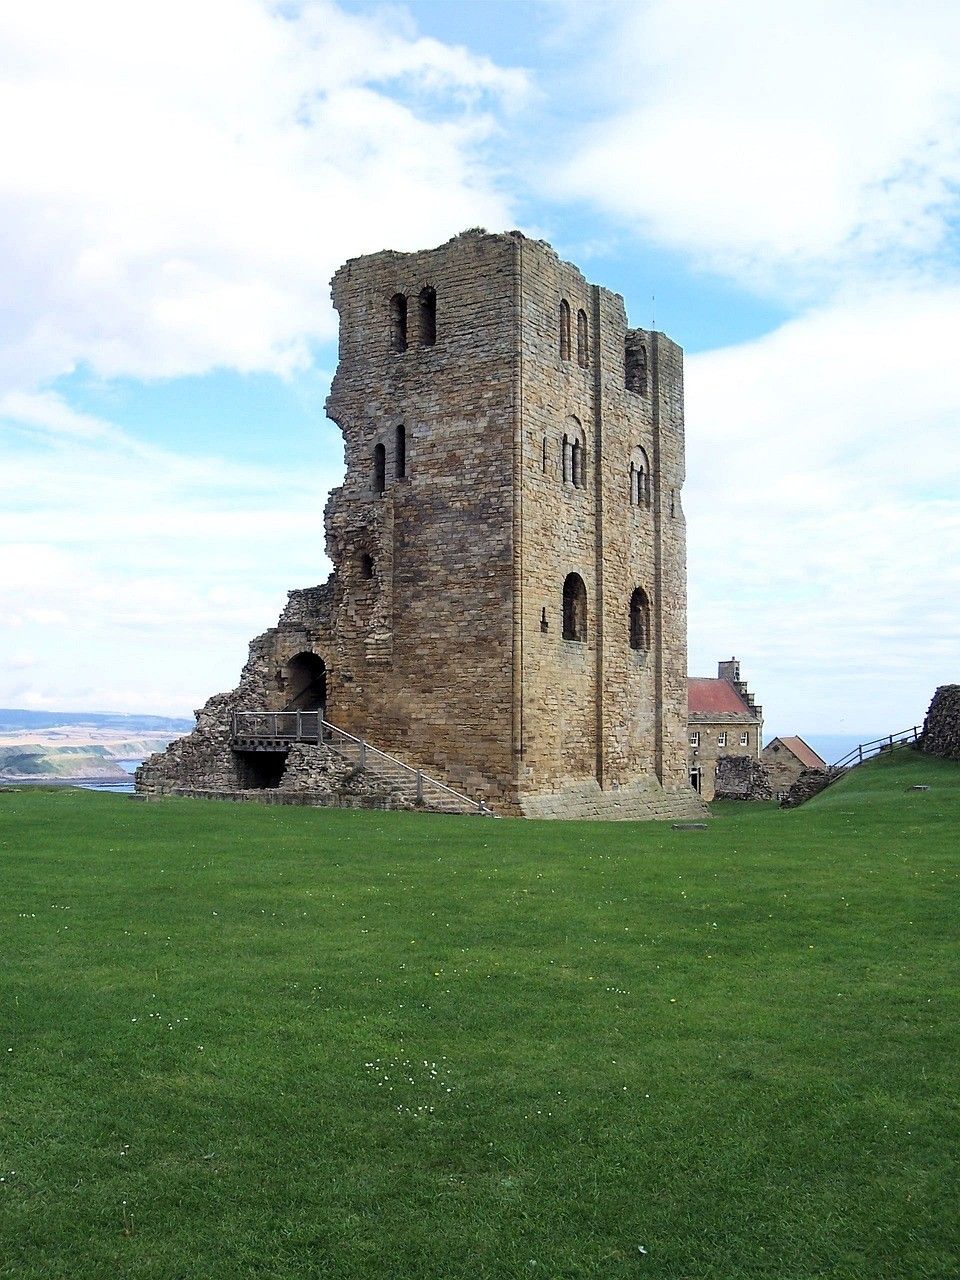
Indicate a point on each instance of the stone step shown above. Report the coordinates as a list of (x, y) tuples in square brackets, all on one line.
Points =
[(399, 778)]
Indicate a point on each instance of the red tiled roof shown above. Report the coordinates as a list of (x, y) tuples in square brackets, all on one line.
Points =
[(806, 755), (714, 697)]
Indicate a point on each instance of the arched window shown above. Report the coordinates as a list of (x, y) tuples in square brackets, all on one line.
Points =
[(428, 316), (639, 620), (583, 350), (574, 608), (366, 566), (576, 467), (640, 478), (575, 454), (379, 469), (564, 329), (634, 363), (400, 455), (398, 322)]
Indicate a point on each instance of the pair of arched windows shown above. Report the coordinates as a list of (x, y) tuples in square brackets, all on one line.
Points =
[(399, 460), (575, 613), (640, 478), (566, 344), (426, 317)]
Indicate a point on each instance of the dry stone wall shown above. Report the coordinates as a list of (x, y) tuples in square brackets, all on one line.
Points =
[(809, 784), (741, 777), (941, 728)]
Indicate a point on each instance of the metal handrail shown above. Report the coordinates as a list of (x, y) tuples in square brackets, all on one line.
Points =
[(867, 749), (301, 734)]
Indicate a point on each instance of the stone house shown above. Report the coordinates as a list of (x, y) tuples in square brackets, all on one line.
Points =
[(785, 759), (722, 720), (507, 607)]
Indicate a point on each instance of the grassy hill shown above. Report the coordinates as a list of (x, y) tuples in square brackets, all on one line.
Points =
[(257, 1042)]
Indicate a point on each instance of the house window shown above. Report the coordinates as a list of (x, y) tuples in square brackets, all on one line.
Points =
[(401, 453), (398, 322), (428, 316), (583, 354), (744, 739), (721, 739), (564, 329), (379, 469), (695, 738), (574, 608), (639, 620)]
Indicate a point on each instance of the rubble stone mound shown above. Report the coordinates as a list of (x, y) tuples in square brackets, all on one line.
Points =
[(810, 783), (941, 728), (741, 778)]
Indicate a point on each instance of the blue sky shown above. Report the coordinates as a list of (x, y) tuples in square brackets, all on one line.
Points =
[(783, 180)]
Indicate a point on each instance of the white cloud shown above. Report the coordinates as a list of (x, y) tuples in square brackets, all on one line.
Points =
[(823, 511), (177, 184), (776, 143), (134, 576)]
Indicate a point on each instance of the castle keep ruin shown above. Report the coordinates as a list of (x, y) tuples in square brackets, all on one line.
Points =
[(507, 609)]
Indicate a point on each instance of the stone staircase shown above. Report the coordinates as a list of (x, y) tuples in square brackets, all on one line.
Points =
[(325, 764), (401, 779)]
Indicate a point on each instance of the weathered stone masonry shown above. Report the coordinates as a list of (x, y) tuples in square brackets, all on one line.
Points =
[(510, 445)]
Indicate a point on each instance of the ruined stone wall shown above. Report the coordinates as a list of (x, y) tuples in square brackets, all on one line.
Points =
[(204, 758), (809, 783), (741, 777), (941, 728)]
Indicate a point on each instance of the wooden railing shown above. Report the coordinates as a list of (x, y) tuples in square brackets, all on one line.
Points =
[(287, 726), (867, 749), (311, 727)]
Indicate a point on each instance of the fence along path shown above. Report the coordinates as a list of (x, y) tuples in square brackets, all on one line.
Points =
[(867, 749), (275, 730)]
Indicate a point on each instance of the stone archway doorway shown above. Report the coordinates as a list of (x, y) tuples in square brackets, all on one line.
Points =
[(306, 675)]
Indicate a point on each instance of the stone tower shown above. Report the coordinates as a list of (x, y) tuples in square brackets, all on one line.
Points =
[(508, 603)]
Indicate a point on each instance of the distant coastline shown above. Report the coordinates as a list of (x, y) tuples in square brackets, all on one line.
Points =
[(90, 749)]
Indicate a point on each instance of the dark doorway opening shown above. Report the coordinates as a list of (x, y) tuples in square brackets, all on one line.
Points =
[(306, 683), (260, 770)]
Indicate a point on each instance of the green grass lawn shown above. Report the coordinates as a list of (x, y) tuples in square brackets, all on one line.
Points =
[(275, 1042)]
